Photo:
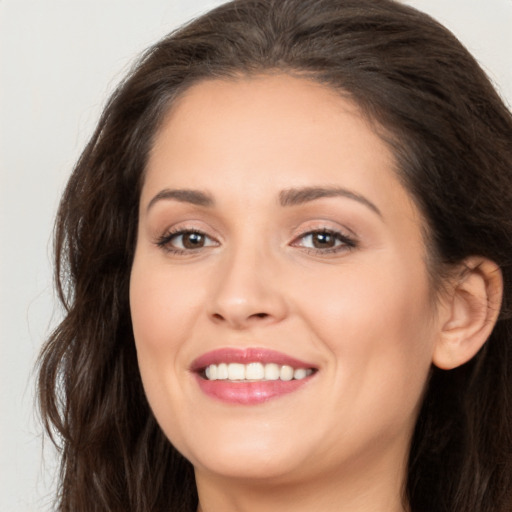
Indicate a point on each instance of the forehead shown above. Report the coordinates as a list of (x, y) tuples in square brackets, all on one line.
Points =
[(242, 133), (262, 104), (269, 116)]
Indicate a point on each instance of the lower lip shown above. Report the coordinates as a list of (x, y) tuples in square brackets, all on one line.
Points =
[(249, 393)]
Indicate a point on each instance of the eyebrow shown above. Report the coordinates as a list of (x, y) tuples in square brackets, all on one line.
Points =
[(287, 198), (195, 197), (298, 196)]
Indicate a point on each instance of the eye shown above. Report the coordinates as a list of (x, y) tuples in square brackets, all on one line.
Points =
[(324, 241), (185, 240)]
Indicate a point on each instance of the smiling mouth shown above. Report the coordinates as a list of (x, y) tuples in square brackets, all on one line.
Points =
[(254, 372), (250, 376)]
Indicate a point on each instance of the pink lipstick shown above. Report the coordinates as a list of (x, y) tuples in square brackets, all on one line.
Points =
[(250, 376)]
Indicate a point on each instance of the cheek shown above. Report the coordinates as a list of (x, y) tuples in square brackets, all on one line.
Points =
[(162, 315), (377, 325), (150, 316), (158, 307), (378, 301), (163, 305)]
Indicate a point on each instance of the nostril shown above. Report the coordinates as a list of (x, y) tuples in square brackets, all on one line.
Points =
[(239, 320)]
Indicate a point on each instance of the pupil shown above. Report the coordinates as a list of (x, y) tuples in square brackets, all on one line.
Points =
[(193, 240), (322, 240)]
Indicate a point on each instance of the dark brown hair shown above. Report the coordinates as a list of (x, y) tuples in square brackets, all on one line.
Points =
[(452, 138)]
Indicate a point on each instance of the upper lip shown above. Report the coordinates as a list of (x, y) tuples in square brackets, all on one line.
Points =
[(245, 356)]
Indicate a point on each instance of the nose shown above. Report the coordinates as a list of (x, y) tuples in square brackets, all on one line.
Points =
[(248, 291)]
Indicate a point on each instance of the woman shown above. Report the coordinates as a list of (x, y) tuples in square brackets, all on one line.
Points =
[(286, 260)]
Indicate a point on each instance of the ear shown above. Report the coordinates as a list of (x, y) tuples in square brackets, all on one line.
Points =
[(469, 312)]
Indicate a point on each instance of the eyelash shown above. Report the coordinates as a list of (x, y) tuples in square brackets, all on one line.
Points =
[(346, 242), (164, 242)]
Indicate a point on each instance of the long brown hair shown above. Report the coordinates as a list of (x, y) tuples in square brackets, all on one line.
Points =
[(452, 137)]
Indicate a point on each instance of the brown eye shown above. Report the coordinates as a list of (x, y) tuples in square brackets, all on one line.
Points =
[(192, 240), (185, 240), (323, 240)]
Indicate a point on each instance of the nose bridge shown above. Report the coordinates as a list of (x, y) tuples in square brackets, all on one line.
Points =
[(247, 286)]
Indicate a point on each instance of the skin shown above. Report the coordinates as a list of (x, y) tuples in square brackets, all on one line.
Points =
[(363, 314)]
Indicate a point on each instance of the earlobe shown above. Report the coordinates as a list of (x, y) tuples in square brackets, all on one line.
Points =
[(470, 313)]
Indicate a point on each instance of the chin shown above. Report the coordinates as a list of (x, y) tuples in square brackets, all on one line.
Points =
[(255, 454), (256, 467)]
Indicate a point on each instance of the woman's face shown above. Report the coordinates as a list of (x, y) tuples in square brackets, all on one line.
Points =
[(275, 242)]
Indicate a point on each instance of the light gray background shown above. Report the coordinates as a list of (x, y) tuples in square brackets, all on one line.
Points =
[(59, 60)]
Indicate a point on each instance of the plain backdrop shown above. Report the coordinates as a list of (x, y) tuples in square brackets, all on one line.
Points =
[(59, 60)]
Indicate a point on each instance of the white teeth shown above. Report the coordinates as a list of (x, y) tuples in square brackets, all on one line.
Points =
[(222, 371), (211, 372), (286, 372), (255, 372), (300, 373), (271, 371), (236, 371)]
